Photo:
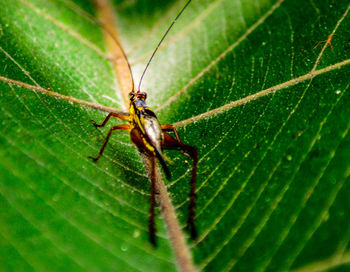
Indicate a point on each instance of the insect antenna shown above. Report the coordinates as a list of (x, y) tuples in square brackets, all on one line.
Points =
[(109, 32), (122, 50), (155, 50)]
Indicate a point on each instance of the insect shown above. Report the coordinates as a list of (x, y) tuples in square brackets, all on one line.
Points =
[(150, 138), (328, 41)]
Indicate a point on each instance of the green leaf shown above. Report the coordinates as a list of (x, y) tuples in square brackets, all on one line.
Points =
[(273, 176)]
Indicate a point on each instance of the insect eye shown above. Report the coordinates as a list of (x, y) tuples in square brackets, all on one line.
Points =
[(131, 96), (141, 96)]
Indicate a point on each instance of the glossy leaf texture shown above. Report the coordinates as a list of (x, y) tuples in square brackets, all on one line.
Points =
[(273, 175)]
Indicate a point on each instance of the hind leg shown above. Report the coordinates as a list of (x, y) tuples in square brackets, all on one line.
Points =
[(171, 143)]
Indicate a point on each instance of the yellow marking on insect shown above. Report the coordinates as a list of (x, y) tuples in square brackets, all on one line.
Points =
[(140, 124), (149, 147)]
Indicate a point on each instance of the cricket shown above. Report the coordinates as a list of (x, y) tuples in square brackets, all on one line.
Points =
[(151, 138)]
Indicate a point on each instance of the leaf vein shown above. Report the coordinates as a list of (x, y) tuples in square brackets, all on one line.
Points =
[(222, 55)]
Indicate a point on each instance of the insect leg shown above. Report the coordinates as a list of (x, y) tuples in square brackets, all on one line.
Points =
[(328, 41), (123, 117), (136, 138), (318, 44), (173, 129), (120, 127), (151, 223), (171, 143)]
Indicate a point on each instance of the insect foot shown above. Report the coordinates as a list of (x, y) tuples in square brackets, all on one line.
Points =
[(94, 123), (92, 158)]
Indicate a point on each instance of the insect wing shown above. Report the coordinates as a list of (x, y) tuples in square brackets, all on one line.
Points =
[(152, 130)]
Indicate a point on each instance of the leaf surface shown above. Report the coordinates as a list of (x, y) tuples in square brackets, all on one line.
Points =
[(273, 176)]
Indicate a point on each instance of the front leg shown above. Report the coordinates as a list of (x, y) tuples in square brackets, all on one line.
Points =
[(120, 116), (120, 127)]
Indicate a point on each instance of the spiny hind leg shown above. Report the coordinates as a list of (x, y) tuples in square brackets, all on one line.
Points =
[(171, 143), (173, 129), (136, 138), (151, 223), (119, 127)]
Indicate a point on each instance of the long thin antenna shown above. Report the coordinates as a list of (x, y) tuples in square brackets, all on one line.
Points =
[(121, 49), (109, 32), (166, 33)]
